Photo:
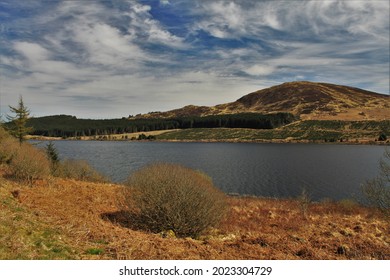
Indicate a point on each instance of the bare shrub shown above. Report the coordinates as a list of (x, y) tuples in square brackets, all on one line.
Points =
[(173, 197), (377, 190), (28, 163), (304, 201), (79, 170)]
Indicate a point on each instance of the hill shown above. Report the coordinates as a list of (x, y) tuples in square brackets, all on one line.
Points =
[(308, 100), (294, 111)]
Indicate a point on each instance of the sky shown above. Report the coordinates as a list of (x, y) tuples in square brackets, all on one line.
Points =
[(111, 59)]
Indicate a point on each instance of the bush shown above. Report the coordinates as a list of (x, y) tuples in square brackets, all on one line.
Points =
[(28, 163), (79, 170), (377, 190), (8, 149), (304, 200), (173, 197)]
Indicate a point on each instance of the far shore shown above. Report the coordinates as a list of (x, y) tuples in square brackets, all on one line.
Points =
[(134, 137)]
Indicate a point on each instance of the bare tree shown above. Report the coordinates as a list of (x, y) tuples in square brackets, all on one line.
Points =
[(377, 190)]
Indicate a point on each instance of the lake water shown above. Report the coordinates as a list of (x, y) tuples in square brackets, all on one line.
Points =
[(271, 170)]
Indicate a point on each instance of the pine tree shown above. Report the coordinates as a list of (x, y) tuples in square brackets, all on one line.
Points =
[(18, 123), (52, 155)]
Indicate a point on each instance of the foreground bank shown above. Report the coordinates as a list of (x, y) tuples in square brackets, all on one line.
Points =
[(69, 219)]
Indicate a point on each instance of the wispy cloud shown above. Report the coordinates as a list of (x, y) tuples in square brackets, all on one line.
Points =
[(115, 58)]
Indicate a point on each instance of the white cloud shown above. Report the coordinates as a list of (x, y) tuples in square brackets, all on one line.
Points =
[(32, 51), (252, 18), (260, 70), (121, 59), (165, 2), (142, 26), (105, 45)]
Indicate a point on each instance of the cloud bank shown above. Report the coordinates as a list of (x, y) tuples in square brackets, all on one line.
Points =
[(107, 59)]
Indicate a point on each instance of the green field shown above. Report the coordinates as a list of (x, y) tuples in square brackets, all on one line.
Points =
[(318, 131)]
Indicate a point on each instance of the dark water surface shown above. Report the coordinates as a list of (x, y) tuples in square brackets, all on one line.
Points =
[(273, 170)]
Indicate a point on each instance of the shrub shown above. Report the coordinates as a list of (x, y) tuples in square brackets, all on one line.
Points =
[(28, 163), (8, 148), (377, 190), (79, 170), (304, 200), (173, 197)]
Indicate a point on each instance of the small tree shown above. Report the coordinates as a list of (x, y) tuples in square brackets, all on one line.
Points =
[(18, 122), (52, 155)]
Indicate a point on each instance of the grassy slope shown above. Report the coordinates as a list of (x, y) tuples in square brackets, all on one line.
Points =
[(26, 235), (298, 131), (66, 219)]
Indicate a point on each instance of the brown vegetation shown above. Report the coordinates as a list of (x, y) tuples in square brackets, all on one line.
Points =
[(169, 197), (79, 170), (309, 100), (25, 161), (29, 164), (81, 220)]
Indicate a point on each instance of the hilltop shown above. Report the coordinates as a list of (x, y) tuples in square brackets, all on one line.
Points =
[(308, 100)]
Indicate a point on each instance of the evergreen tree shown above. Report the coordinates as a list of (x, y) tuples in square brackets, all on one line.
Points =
[(52, 155), (18, 123)]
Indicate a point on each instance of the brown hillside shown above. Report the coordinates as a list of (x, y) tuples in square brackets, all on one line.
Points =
[(309, 100)]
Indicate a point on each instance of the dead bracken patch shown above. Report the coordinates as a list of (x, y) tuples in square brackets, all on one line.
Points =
[(82, 220)]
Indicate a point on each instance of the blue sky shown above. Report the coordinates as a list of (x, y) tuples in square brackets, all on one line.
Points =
[(110, 59)]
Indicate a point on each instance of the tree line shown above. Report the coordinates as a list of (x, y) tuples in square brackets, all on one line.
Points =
[(69, 126)]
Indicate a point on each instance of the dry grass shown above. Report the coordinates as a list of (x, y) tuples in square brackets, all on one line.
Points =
[(26, 235), (79, 170), (82, 220)]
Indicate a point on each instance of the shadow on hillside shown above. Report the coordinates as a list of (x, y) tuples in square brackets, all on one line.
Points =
[(125, 219)]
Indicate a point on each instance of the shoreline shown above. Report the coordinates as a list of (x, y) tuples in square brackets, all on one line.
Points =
[(116, 138)]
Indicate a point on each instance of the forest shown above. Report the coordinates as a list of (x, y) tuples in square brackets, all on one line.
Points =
[(69, 126)]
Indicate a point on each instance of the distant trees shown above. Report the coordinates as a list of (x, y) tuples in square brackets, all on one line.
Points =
[(18, 123), (69, 126)]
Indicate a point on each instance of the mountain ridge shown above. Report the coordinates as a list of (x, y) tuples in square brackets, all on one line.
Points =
[(308, 100)]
